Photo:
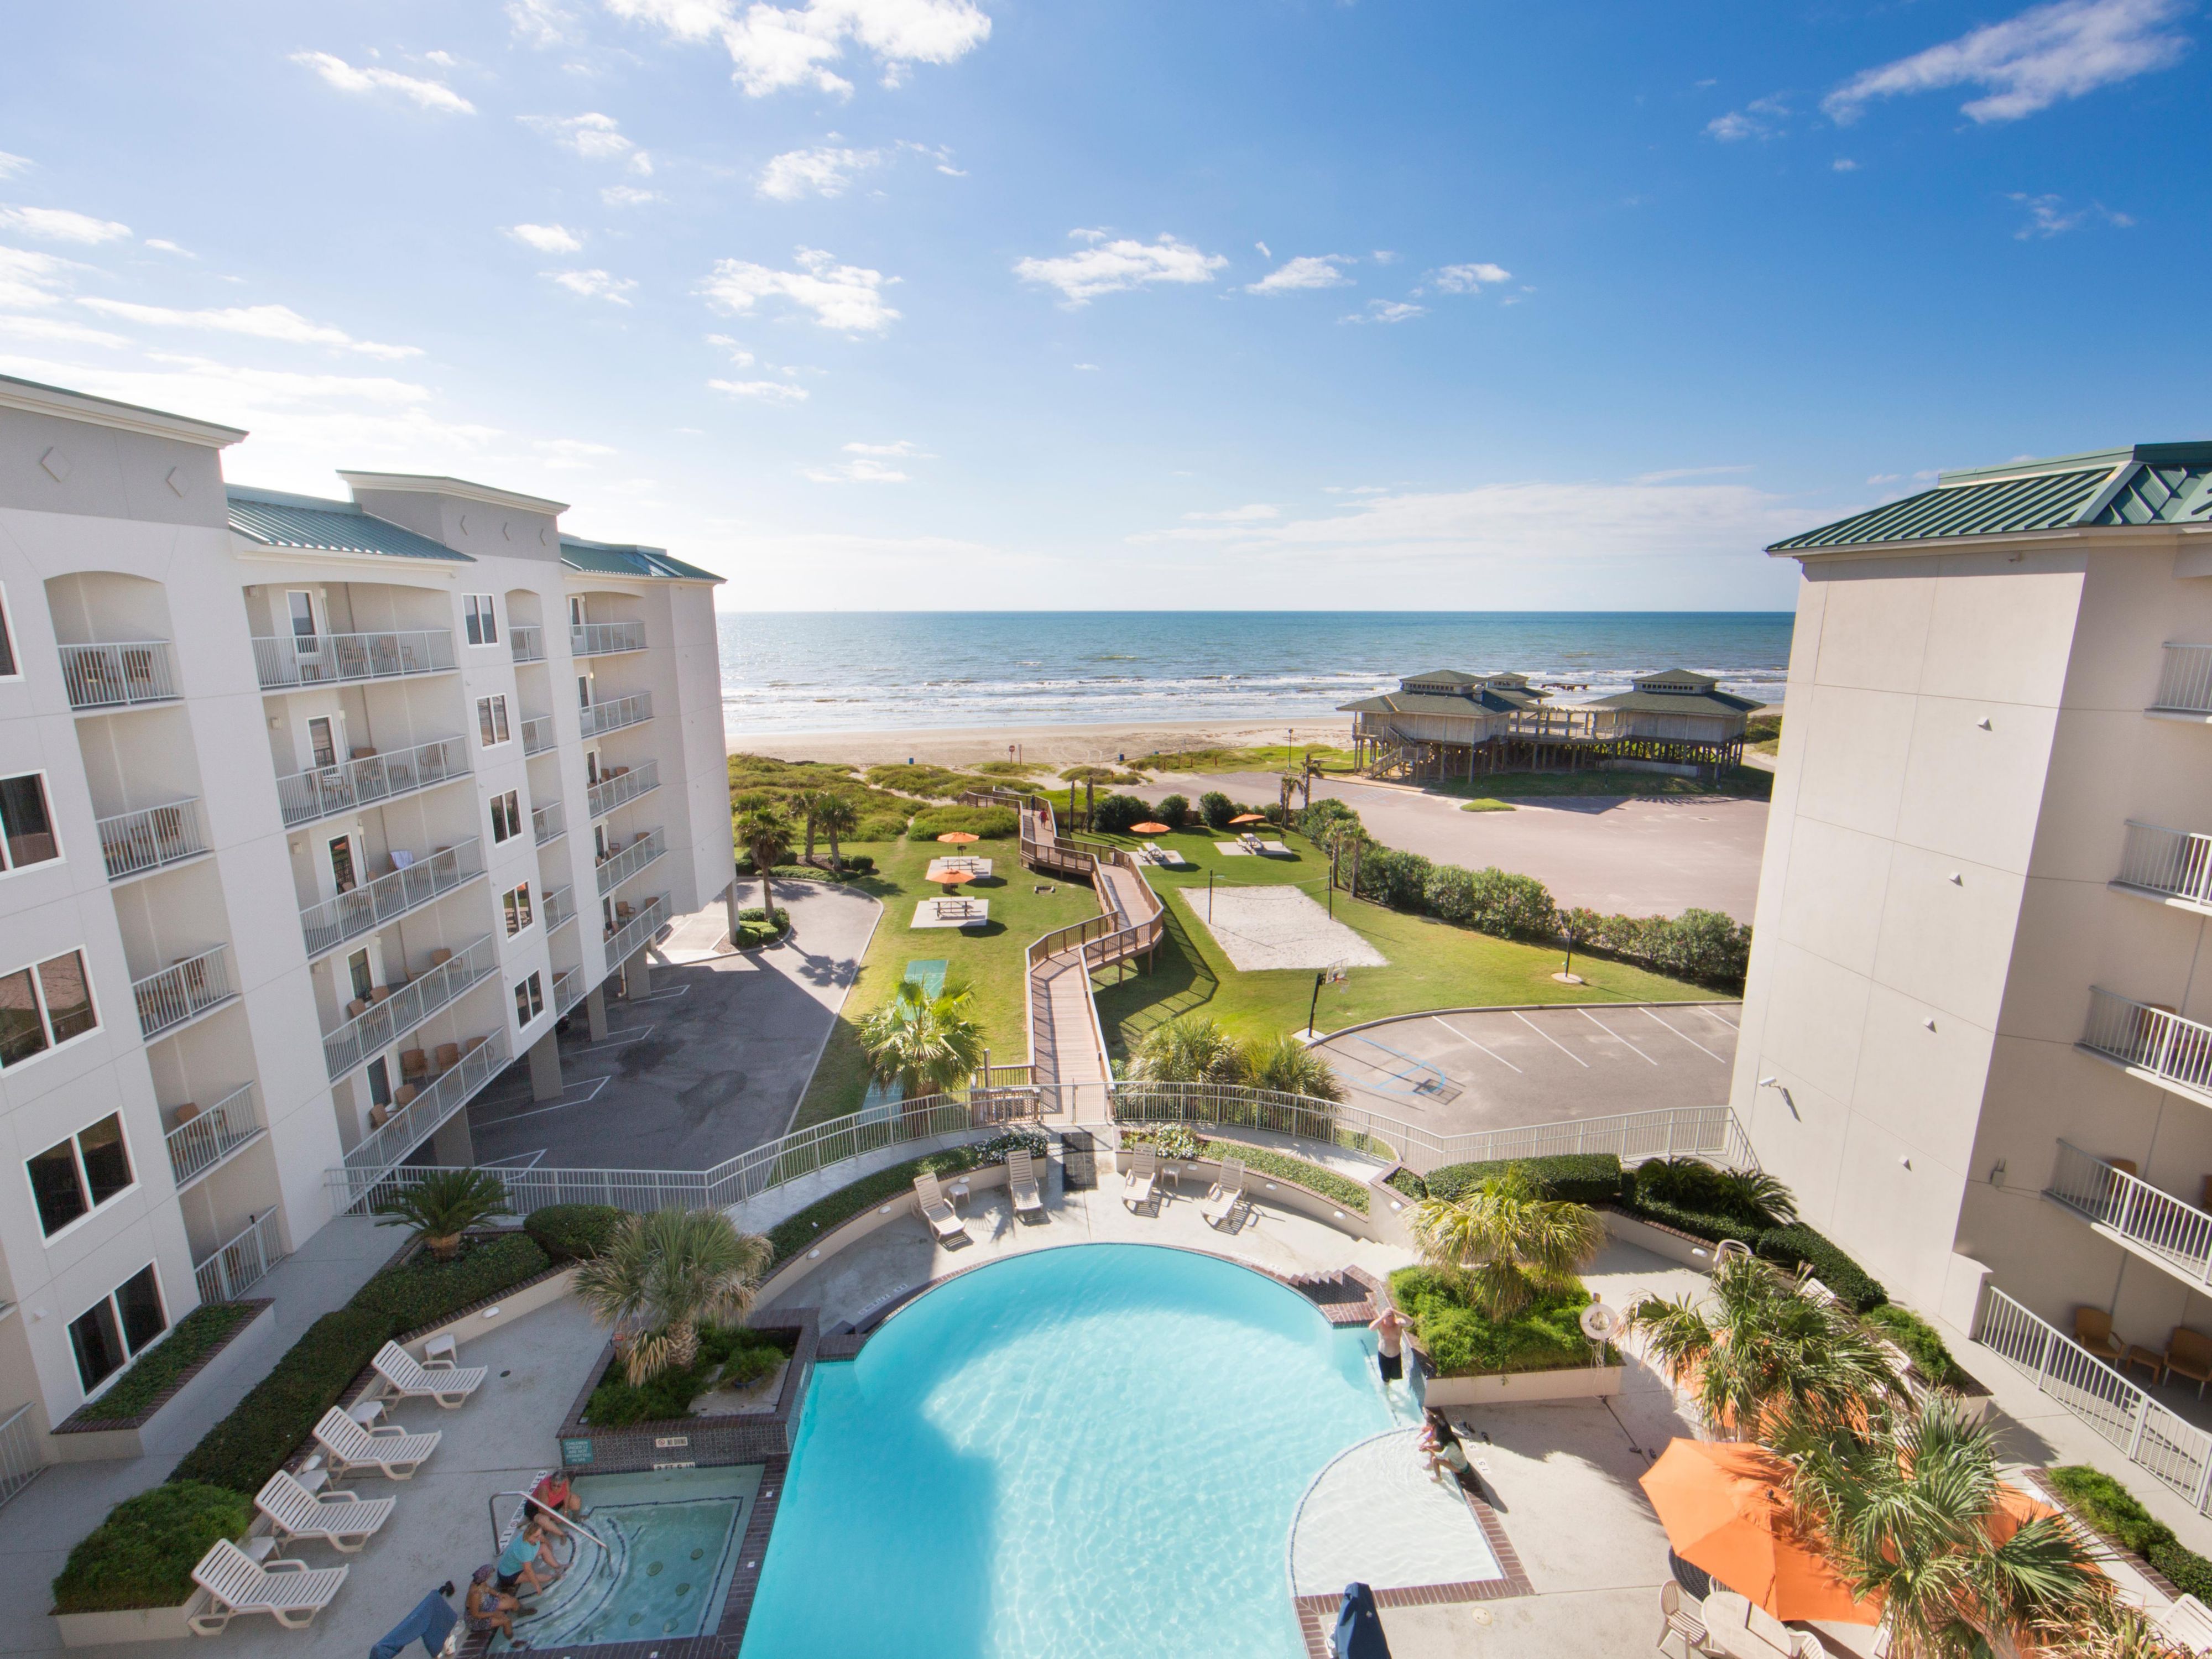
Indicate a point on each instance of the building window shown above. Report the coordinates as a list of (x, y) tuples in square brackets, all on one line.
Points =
[(583, 691), (117, 1327), (323, 740), (576, 610), (9, 669), (43, 1007), (505, 816), (529, 1001), (73, 1177), (478, 617), (27, 828), (491, 719), (517, 905)]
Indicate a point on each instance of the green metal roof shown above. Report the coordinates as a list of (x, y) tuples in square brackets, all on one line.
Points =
[(275, 519), (1441, 676), (1487, 699), (1676, 703), (2146, 484), (616, 559)]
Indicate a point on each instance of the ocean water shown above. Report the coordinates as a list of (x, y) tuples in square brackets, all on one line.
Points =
[(905, 671)]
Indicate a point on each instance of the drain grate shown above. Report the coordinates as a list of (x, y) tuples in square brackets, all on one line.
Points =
[(1078, 1160)]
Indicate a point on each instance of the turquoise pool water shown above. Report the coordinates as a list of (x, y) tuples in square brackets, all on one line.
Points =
[(671, 1538), (1089, 1450)]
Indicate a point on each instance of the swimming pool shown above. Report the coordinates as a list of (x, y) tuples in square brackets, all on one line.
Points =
[(1080, 1451)]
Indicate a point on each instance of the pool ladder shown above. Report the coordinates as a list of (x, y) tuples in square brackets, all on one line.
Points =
[(500, 1535)]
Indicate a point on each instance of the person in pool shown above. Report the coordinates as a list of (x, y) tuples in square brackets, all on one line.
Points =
[(1391, 1328), (526, 1566), (1441, 1449), (486, 1610)]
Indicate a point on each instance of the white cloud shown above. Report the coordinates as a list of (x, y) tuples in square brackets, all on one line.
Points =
[(2047, 217), (770, 391), (1884, 478), (33, 279), (279, 322), (595, 284), (426, 94), (1108, 267), (858, 472), (1844, 164), (1266, 253), (547, 238), (2028, 63), (163, 244), (629, 196), (940, 155), (58, 332), (539, 23), (1469, 279), (1252, 514), (1735, 126), (1307, 270), (60, 225), (738, 355), (570, 454), (1671, 473), (823, 171), (1386, 311), (1382, 256), (848, 297), (12, 165), (1088, 367), (594, 137), (774, 48)]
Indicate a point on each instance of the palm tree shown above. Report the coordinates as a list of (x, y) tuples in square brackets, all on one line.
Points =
[(443, 1205), (766, 835), (804, 806), (1907, 1505), (1289, 1067), (1090, 777), (664, 1273), (1508, 1241), (1188, 1049), (1755, 1193), (1760, 1346), (837, 816), (926, 1044)]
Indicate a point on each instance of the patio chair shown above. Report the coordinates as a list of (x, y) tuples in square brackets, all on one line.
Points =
[(1683, 1618), (449, 1056), (1809, 1646), (1022, 1184), (414, 1065), (1141, 1186), (2189, 1352), (2188, 1624), (389, 1449), (2093, 1329), (291, 1592), (408, 1378), (936, 1209), (1227, 1197), (343, 1519)]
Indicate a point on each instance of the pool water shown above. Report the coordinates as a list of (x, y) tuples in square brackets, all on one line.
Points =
[(1087, 1450), (671, 1537)]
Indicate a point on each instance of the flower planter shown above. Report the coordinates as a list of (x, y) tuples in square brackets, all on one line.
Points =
[(249, 1344), (99, 1630), (683, 1442)]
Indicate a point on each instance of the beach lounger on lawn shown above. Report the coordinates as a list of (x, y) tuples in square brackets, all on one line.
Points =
[(343, 1519), (291, 1592), (1022, 1183), (930, 1200), (1227, 1197), (438, 1379), (387, 1448), (1141, 1186)]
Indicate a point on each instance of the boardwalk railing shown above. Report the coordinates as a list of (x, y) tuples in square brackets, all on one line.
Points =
[(205, 1140), (132, 843), (2172, 863), (328, 658), (2179, 1235), (118, 676), (322, 790), (600, 717), (177, 993), (241, 1261), (2185, 681), (349, 915), (2173, 1451), (2150, 1039)]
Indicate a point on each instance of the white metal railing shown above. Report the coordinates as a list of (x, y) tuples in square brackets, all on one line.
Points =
[(538, 734), (349, 915), (118, 675), (384, 1022), (2155, 1040), (618, 867), (568, 989), (2184, 680), (241, 1262), (527, 641), (604, 639), (199, 1144), (2171, 862), (559, 907), (132, 843), (320, 791), (2175, 1452), (411, 1125), (331, 658), (548, 822), (615, 714), (19, 1452), (182, 990), (2179, 1234), (639, 930), (613, 789)]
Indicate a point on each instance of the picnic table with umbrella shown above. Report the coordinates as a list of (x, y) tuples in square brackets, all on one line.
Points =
[(959, 837), (1726, 1510), (951, 878), (1149, 829)]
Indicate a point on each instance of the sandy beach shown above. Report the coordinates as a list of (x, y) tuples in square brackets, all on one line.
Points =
[(1048, 745)]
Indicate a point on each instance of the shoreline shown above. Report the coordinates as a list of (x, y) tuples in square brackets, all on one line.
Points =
[(1045, 744)]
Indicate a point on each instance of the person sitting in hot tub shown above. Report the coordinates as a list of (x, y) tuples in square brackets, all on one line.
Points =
[(525, 1565)]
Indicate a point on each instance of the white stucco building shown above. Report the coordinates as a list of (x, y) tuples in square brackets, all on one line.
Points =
[(317, 814)]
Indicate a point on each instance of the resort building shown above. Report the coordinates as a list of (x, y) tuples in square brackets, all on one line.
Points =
[(317, 815), (1448, 724)]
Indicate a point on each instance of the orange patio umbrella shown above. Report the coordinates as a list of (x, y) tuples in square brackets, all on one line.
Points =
[(1726, 1508), (1249, 818), (953, 877), (959, 837), (1148, 829)]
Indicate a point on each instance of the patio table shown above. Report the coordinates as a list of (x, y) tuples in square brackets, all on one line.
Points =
[(1728, 1626)]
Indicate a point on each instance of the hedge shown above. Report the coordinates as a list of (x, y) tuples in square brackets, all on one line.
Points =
[(197, 1335), (1801, 1246), (2110, 1510), (1460, 1340), (798, 1232), (1578, 1177), (424, 1291), (569, 1232), (248, 1446), (143, 1553), (1921, 1343), (1324, 1183), (729, 1354)]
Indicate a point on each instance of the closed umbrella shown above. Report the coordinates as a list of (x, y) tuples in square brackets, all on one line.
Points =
[(1359, 1633), (1726, 1508)]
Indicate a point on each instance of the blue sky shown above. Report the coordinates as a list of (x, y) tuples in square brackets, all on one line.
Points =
[(874, 304)]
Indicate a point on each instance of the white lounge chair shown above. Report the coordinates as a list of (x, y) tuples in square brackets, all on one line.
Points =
[(1022, 1183), (343, 1519), (387, 1448), (1227, 1196), (438, 1379), (1141, 1186), (935, 1208), (2188, 1624), (291, 1592)]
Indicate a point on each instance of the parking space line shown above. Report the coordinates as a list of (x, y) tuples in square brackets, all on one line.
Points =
[(659, 996), (1471, 1043), (637, 1035), (1692, 1041), (1720, 1018), (597, 1083), (1610, 1032), (1553, 1040)]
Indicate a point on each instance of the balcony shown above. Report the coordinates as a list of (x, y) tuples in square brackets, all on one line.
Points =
[(538, 734), (321, 791), (207, 1137), (600, 718), (2171, 866), (118, 676), (241, 1262), (633, 933), (560, 907), (2154, 1043), (604, 639), (525, 641), (133, 843), (618, 867), (385, 1019), (332, 923), (549, 823), (481, 1059), (183, 992), (623, 783), (2184, 684), (567, 990), (287, 660), (2153, 1225)]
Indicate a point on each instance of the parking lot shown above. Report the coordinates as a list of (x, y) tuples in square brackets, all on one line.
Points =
[(1505, 1067)]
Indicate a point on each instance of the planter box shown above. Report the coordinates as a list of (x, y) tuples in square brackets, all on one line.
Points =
[(490, 1314), (875, 1218), (683, 1442), (247, 1345), (1664, 1242), (99, 1630), (1522, 1388), (1268, 1191)]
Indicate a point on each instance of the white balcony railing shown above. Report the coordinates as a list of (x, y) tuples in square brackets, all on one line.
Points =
[(2146, 1039), (604, 639), (614, 714), (526, 641), (332, 922), (331, 659), (613, 788), (132, 843), (560, 907), (538, 734), (568, 989), (241, 1262), (409, 1126), (2178, 1235), (2169, 863), (322, 790), (197, 1145), (618, 867), (387, 1020), (2185, 681), (118, 676), (183, 990), (548, 822), (20, 1458), (633, 933)]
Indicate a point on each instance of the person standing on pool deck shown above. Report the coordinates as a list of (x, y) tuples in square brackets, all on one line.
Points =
[(1389, 1328)]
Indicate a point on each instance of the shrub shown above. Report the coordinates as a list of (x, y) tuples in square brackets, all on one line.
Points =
[(754, 913), (991, 822), (1921, 1342), (1460, 1341), (1799, 1246), (1577, 1178), (1216, 809), (936, 782), (1325, 1183), (861, 864), (197, 1335), (729, 1356), (1449, 892), (2110, 1510), (1700, 1197), (1174, 811), (143, 1553), (1512, 907), (248, 1446), (1018, 1138), (1116, 813), (879, 826), (424, 1291), (1393, 878), (569, 1232), (1409, 1183)]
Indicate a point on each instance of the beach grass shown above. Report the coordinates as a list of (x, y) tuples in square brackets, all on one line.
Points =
[(1270, 757)]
